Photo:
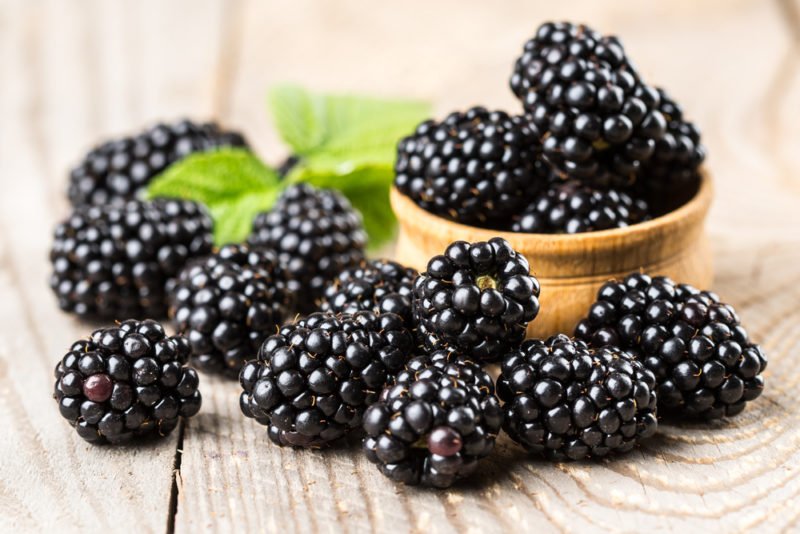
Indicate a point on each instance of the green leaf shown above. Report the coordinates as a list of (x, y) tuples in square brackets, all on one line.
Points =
[(367, 188), (348, 142), (233, 183)]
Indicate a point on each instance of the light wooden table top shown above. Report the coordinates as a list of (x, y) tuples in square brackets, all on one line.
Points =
[(73, 72)]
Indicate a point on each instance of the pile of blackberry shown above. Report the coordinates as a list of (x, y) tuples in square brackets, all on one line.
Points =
[(118, 170), (226, 305), (316, 234), (433, 424), (114, 261), (313, 380), (588, 118), (125, 382), (477, 298), (702, 358), (567, 401)]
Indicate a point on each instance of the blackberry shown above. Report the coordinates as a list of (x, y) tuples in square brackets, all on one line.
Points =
[(670, 178), (114, 261), (599, 122), (571, 208), (316, 234), (704, 363), (434, 423), (313, 380), (226, 305), (473, 167), (477, 298), (377, 285), (126, 381), (118, 170), (565, 400)]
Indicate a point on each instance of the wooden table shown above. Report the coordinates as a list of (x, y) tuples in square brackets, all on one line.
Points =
[(73, 72)]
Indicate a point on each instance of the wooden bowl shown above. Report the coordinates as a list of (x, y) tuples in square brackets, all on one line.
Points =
[(571, 268)]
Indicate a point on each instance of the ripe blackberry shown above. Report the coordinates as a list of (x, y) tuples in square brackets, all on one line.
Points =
[(226, 305), (670, 178), (565, 400), (599, 122), (313, 380), (702, 358), (473, 167), (114, 261), (571, 208), (316, 234), (377, 285), (434, 423), (477, 298), (117, 170), (126, 381)]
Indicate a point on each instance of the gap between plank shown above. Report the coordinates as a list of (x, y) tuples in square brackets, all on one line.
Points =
[(172, 512)]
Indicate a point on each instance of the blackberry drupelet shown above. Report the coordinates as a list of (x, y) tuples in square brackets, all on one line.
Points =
[(670, 178), (377, 285), (570, 208), (117, 170), (435, 422), (476, 298), (313, 380), (114, 261), (599, 122), (316, 234), (565, 400), (125, 382), (702, 358), (226, 305), (473, 167)]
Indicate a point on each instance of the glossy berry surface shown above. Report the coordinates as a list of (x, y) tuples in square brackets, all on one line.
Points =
[(226, 305), (313, 380), (316, 234), (433, 424), (704, 363), (570, 208), (118, 170), (378, 285), (476, 298), (126, 382), (114, 261), (565, 400), (598, 121), (474, 167)]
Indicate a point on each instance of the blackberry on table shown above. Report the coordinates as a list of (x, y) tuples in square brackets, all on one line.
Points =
[(117, 170), (377, 285), (472, 167), (125, 382), (313, 380), (433, 424), (226, 305), (570, 208), (114, 261), (477, 298), (704, 363), (565, 400), (316, 234), (599, 121)]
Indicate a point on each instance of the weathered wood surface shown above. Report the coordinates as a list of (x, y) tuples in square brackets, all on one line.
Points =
[(72, 72)]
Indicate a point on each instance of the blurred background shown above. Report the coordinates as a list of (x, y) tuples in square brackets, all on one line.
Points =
[(75, 72)]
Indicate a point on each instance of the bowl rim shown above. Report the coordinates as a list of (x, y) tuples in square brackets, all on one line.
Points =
[(694, 208)]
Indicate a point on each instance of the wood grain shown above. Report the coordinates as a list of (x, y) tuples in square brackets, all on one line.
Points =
[(75, 72)]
